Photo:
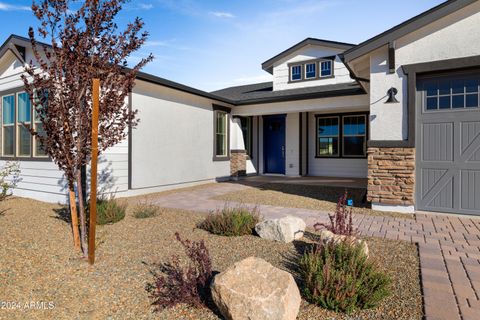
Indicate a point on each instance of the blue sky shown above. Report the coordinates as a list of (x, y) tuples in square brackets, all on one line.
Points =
[(212, 44)]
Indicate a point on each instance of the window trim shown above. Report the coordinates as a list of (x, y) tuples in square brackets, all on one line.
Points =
[(16, 157), (338, 136), (320, 69), (290, 68), (340, 124), (315, 65), (303, 69), (221, 109), (14, 124), (18, 125)]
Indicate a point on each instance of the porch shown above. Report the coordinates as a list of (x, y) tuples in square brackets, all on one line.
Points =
[(319, 143)]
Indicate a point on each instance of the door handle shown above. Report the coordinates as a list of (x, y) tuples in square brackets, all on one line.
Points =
[(283, 152)]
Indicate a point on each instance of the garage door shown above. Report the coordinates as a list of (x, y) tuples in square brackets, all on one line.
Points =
[(448, 143)]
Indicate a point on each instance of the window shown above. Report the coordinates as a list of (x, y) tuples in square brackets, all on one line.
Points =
[(342, 136), (8, 125), (296, 72), (310, 70), (326, 68), (17, 119), (24, 122), (447, 94), (221, 135), (354, 136), (246, 124), (328, 136)]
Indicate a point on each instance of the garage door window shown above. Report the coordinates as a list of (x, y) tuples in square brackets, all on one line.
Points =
[(448, 94)]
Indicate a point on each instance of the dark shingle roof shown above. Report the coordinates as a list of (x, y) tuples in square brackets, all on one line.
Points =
[(263, 92)]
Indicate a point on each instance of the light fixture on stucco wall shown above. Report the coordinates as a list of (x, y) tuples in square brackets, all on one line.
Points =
[(391, 93)]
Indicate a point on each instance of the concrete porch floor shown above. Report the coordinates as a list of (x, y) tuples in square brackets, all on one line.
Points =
[(308, 180)]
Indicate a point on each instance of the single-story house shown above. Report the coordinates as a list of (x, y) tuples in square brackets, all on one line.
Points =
[(401, 109)]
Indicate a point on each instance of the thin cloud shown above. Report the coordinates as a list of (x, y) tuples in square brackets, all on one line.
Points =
[(145, 6), (10, 7), (220, 14), (156, 43)]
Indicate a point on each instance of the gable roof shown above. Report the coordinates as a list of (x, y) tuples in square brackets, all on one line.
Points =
[(406, 27), (268, 65), (263, 92), (14, 44)]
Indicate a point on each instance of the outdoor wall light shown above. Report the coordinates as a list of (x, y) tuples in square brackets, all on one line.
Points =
[(391, 93)]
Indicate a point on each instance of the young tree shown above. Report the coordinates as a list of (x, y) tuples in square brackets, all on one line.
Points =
[(83, 44)]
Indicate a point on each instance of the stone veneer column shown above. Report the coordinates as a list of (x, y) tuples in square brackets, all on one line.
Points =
[(238, 163), (391, 176)]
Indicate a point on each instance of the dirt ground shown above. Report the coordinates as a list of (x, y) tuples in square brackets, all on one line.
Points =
[(306, 197), (39, 264)]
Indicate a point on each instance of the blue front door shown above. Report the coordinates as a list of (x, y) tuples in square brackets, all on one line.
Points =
[(274, 144)]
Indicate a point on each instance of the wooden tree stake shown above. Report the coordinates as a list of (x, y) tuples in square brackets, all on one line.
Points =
[(73, 213), (93, 174)]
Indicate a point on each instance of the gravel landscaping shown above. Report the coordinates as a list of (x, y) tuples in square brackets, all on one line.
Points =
[(38, 263), (306, 197)]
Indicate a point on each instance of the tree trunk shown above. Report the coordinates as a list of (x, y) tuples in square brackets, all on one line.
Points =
[(73, 212), (81, 209)]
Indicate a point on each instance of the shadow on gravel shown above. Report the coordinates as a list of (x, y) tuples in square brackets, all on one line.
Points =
[(292, 258), (322, 193), (63, 214)]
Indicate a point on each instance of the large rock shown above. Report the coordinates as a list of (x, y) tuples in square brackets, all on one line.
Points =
[(284, 229), (328, 236), (254, 289)]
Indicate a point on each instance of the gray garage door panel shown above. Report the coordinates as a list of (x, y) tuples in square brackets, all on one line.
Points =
[(470, 189), (448, 144)]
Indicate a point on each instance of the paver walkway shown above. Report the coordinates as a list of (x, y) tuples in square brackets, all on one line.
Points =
[(449, 246)]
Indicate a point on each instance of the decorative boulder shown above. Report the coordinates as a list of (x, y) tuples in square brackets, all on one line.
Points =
[(254, 289), (285, 229), (328, 236)]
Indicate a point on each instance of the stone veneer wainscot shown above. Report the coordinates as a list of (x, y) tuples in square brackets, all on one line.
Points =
[(391, 176), (238, 163)]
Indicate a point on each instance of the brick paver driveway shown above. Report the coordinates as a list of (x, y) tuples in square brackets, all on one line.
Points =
[(449, 247)]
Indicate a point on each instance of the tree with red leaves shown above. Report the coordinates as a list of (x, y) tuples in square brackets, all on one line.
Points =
[(83, 44)]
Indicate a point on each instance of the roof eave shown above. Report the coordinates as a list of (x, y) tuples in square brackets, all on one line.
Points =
[(308, 96)]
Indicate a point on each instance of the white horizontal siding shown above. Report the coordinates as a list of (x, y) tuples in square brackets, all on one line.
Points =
[(352, 168), (40, 180)]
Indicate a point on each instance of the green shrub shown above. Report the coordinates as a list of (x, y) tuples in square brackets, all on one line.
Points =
[(145, 210), (110, 211), (237, 221), (340, 277)]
